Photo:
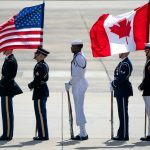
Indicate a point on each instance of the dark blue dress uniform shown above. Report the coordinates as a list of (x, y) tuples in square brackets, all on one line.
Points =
[(8, 89), (122, 90), (40, 94), (145, 85)]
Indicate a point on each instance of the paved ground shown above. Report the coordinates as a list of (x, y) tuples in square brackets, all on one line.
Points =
[(72, 0), (92, 144), (65, 21)]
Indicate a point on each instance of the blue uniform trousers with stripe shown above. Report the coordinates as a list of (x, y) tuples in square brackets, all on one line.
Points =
[(41, 117), (7, 116), (123, 131)]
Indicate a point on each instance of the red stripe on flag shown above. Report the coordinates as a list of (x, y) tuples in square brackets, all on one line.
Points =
[(8, 23), (99, 40), (21, 40), (8, 29), (19, 47), (21, 33), (140, 27)]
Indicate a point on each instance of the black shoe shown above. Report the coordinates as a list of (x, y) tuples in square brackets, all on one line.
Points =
[(117, 138), (145, 138), (40, 138), (82, 138), (2, 138)]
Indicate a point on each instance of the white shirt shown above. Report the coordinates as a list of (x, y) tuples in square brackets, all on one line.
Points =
[(78, 68)]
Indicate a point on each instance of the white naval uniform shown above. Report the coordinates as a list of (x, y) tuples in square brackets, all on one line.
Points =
[(79, 86), (147, 106)]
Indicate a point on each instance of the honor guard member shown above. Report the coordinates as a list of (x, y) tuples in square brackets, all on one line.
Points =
[(8, 89), (79, 86), (145, 87), (122, 90), (40, 93)]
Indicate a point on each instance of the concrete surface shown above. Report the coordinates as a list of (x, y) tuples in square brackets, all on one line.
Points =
[(65, 21)]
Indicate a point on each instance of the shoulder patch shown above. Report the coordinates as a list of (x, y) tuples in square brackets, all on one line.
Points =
[(122, 72), (37, 73)]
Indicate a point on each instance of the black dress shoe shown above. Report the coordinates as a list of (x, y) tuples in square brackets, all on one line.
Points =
[(40, 138), (82, 138), (145, 138), (2, 138), (120, 138)]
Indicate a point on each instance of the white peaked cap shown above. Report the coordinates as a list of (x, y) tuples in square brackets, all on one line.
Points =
[(77, 42), (147, 45)]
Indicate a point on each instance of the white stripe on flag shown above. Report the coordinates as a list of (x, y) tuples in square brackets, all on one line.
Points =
[(21, 30), (20, 36), (19, 43), (8, 27)]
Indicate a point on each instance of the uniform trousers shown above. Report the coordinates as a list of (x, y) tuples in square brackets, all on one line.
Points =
[(78, 95), (147, 106), (7, 116), (123, 131), (41, 117)]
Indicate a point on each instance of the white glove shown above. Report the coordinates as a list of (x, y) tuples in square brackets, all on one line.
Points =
[(67, 86), (110, 86)]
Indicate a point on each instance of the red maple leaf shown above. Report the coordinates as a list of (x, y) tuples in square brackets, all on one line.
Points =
[(122, 29)]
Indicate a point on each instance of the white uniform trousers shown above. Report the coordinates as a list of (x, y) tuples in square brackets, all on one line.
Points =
[(147, 105), (78, 95)]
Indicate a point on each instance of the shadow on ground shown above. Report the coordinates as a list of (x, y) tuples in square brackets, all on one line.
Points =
[(21, 144)]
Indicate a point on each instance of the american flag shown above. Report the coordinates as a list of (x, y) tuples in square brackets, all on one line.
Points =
[(24, 30)]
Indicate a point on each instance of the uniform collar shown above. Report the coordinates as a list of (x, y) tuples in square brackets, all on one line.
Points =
[(41, 61), (9, 56), (124, 59), (77, 53)]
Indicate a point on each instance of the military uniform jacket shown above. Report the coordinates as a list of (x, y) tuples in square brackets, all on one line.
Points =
[(39, 84), (145, 85), (121, 84), (78, 70), (8, 86)]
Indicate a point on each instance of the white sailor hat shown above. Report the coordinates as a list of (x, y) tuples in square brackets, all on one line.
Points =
[(77, 42), (147, 45)]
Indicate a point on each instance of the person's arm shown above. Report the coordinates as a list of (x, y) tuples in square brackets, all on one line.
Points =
[(124, 73), (8, 73), (144, 81), (39, 75)]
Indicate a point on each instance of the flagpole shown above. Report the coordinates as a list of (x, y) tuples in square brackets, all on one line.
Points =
[(111, 105), (43, 22)]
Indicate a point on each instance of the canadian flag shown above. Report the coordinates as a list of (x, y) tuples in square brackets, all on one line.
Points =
[(119, 34)]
